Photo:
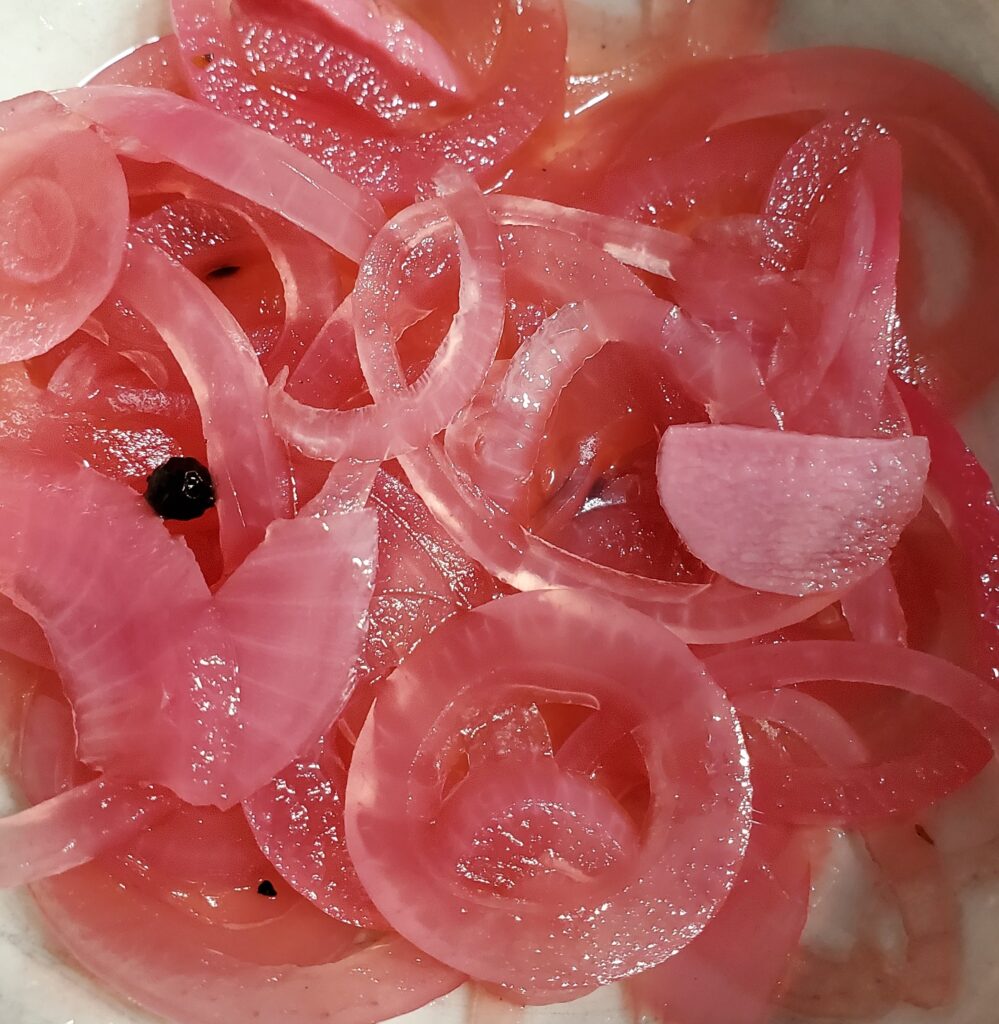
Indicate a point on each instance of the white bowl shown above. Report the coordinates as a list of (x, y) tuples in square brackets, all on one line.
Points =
[(54, 43)]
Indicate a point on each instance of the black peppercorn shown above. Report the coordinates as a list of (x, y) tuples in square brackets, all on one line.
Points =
[(180, 489), (267, 889)]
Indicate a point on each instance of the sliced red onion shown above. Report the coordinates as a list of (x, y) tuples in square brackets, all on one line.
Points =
[(106, 927), (248, 462), (822, 727), (295, 614), (409, 419), (873, 610), (153, 125), (790, 513), (307, 267), (634, 245), (378, 24), (399, 162), (129, 619), (75, 827), (837, 382), (63, 220), (963, 495), (566, 646), (715, 612), (872, 791), (238, 685)]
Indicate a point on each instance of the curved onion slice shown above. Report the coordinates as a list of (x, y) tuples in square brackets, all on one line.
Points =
[(306, 267), (524, 81), (401, 422), (961, 491), (715, 612), (75, 827), (378, 24), (248, 462), (295, 613), (557, 643), (873, 610), (871, 791), (238, 685), (790, 513), (947, 131), (128, 617), (836, 383), (732, 970), (182, 975), (153, 125), (63, 219), (423, 579)]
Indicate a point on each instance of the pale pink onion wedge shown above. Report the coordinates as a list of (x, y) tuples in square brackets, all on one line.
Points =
[(153, 125), (129, 619), (570, 646), (208, 697), (790, 513), (75, 827), (249, 463), (63, 219), (295, 613), (408, 420)]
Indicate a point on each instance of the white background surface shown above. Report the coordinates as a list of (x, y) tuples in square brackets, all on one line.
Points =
[(54, 43)]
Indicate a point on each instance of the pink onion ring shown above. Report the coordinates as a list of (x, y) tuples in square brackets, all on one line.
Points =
[(566, 645), (153, 125)]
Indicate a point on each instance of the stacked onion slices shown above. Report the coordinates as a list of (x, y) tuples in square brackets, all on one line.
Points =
[(592, 546)]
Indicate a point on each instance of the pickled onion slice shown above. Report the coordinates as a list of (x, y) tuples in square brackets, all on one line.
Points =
[(248, 461), (295, 613), (400, 423), (153, 125), (568, 646), (183, 974), (790, 513), (961, 491), (877, 788), (522, 84), (377, 24), (423, 579), (128, 617), (874, 612), (733, 969), (74, 827), (719, 611), (239, 684), (63, 218)]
